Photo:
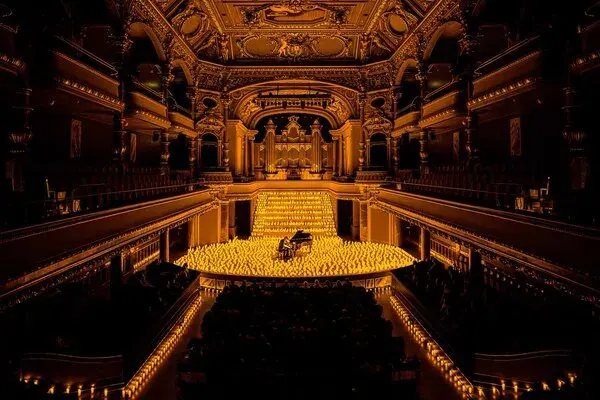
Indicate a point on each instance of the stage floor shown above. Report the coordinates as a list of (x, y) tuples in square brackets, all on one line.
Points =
[(330, 256)]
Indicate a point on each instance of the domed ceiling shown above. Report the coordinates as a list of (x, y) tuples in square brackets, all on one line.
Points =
[(282, 32)]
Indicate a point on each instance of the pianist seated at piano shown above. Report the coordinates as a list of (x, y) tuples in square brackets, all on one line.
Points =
[(285, 248)]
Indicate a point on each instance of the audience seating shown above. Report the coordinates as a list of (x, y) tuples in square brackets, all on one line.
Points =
[(296, 343)]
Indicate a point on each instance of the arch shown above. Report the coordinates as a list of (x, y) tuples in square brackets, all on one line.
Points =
[(378, 151), (408, 63), (450, 29), (187, 71), (139, 30)]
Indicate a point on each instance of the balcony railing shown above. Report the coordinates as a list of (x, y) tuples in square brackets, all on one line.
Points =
[(79, 53)]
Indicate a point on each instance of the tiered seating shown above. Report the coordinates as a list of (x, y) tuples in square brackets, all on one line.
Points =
[(100, 187), (498, 313), (495, 186), (296, 343)]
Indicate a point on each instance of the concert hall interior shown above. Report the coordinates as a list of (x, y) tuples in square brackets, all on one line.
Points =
[(295, 199)]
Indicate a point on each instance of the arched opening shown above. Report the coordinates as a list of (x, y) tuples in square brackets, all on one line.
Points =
[(209, 152), (145, 62), (378, 151), (178, 97)]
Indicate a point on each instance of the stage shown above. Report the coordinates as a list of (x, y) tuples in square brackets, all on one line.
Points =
[(329, 257)]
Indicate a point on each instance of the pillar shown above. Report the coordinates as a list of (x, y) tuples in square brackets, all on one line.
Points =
[(401, 232), (193, 232), (224, 222), (164, 152), (245, 153), (270, 147), (119, 139), (252, 150), (396, 234), (424, 151), (343, 156), (232, 221), (468, 44), (199, 154), (395, 155), (355, 220), (364, 222), (165, 246), (424, 244), (192, 146), (390, 154), (226, 100), (19, 137), (361, 146), (316, 146), (576, 138), (334, 152)]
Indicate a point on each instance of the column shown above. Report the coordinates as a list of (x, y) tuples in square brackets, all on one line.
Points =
[(232, 221), (224, 222), (361, 146), (576, 138), (192, 146), (119, 139), (334, 156), (423, 138), (245, 153), (468, 44), (343, 156), (395, 155), (252, 150), (193, 232), (401, 229), (355, 220), (390, 154), (270, 147), (424, 244), (199, 154), (364, 221), (316, 146), (164, 152), (18, 143), (165, 246), (226, 100), (121, 44), (367, 152), (424, 151), (220, 152)]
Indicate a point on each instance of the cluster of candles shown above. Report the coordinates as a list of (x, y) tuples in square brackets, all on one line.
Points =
[(329, 256), (280, 213)]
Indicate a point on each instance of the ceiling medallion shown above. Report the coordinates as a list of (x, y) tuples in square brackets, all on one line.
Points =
[(294, 46), (287, 11)]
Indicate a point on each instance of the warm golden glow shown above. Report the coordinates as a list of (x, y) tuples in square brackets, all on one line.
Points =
[(330, 256), (283, 213)]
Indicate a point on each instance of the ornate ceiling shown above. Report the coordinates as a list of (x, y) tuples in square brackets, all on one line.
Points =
[(275, 32)]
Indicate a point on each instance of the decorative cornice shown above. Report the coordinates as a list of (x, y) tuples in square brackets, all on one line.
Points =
[(502, 93), (437, 117), (91, 94), (150, 116), (584, 62), (13, 64)]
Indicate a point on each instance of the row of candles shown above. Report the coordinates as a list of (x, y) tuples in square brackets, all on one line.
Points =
[(329, 256)]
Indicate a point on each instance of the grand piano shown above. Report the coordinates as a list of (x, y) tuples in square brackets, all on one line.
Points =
[(301, 239)]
